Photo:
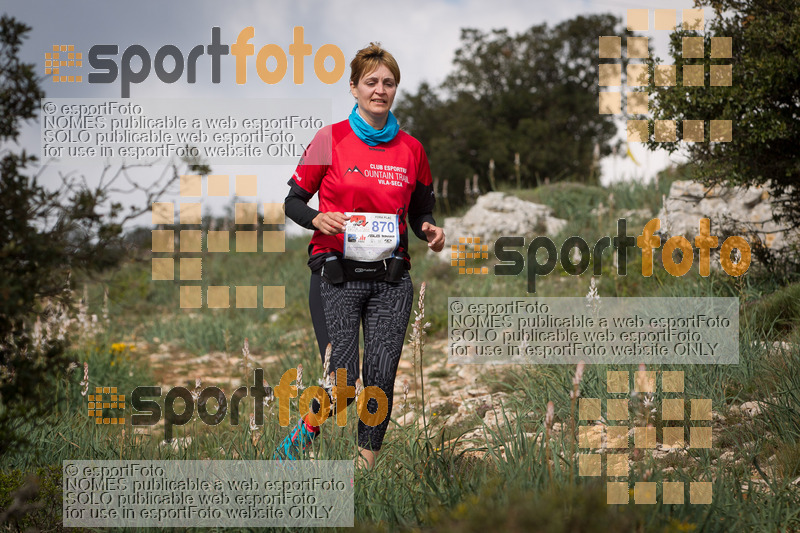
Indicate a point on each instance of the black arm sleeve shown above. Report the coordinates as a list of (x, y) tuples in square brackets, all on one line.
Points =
[(420, 209), (416, 224), (296, 206)]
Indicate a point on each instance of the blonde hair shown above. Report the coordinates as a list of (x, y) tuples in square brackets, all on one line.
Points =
[(370, 58)]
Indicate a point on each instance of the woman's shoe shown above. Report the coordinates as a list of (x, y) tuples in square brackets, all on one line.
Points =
[(296, 443)]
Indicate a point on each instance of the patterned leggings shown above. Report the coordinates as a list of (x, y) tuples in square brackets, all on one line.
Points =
[(383, 308)]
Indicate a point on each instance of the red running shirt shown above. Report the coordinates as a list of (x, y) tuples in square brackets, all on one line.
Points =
[(349, 175)]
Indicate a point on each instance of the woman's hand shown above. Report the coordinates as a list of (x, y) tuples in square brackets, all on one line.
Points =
[(330, 223), (435, 236)]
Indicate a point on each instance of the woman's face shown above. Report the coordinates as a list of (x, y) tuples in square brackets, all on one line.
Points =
[(375, 93)]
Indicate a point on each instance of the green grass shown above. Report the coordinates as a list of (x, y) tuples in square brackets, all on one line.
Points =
[(421, 482), (779, 311)]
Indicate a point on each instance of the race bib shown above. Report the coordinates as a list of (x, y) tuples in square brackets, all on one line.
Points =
[(371, 236)]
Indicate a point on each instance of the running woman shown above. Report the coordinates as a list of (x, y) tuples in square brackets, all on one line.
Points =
[(370, 178)]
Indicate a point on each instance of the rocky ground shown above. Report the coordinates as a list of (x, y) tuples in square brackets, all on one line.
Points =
[(463, 401)]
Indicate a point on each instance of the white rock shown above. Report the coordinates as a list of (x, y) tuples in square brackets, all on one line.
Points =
[(470, 408), (727, 456), (470, 373), (751, 408), (689, 201), (498, 213), (407, 418)]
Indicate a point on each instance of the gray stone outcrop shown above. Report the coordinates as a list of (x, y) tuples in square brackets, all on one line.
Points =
[(743, 207), (497, 213)]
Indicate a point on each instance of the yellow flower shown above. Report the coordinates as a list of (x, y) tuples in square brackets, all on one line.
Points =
[(121, 347), (118, 347)]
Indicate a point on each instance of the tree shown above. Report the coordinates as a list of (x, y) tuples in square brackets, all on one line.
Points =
[(763, 101), (534, 93), (44, 235)]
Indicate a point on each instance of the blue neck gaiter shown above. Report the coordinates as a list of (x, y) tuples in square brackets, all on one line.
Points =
[(370, 135)]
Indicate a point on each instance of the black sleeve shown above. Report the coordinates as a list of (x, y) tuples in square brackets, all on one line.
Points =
[(420, 209), (416, 224), (296, 206)]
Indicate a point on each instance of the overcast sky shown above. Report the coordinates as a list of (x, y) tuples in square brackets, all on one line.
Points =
[(422, 35)]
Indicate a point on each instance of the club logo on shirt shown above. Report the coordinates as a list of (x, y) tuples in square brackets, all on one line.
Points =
[(354, 169)]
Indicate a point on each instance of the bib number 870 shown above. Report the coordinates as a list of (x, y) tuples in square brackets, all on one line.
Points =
[(383, 225)]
